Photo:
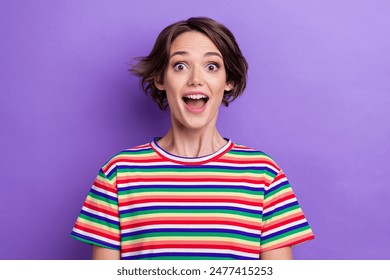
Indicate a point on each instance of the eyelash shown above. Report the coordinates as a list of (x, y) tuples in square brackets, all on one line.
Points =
[(216, 65), (175, 66)]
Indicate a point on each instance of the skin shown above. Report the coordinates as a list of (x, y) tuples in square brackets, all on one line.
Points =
[(195, 65), (101, 253)]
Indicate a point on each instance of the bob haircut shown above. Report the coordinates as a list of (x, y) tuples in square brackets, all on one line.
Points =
[(151, 68)]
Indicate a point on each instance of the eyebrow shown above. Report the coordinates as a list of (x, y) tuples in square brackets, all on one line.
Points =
[(206, 54)]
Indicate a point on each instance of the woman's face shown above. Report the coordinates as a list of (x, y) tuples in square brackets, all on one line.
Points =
[(194, 81)]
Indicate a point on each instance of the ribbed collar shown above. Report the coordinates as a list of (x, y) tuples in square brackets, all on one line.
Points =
[(190, 160)]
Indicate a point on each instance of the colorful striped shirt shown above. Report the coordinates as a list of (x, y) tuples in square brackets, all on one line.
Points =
[(150, 204)]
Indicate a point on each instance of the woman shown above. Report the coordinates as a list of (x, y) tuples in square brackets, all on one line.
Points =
[(192, 194)]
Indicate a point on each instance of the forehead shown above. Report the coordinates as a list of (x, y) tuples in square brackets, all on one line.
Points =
[(193, 41)]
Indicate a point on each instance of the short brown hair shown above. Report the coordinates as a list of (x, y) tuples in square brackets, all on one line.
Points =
[(152, 67)]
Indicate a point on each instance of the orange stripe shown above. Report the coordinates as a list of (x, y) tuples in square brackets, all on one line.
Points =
[(190, 244)]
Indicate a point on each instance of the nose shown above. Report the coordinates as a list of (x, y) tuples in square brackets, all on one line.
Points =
[(195, 78)]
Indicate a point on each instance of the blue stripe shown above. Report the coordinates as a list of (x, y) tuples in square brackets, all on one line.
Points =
[(111, 172), (280, 208), (278, 186), (135, 151), (177, 231), (107, 220), (194, 254), (103, 195), (259, 189), (285, 230), (200, 167), (189, 208)]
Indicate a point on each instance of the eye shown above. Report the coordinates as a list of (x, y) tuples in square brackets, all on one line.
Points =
[(212, 67), (179, 66)]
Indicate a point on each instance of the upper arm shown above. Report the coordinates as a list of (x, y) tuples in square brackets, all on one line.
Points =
[(101, 253), (284, 253)]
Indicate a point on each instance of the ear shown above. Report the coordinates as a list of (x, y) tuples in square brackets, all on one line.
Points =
[(229, 86), (159, 85)]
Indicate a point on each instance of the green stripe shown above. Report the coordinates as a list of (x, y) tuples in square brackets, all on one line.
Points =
[(248, 153), (281, 212), (103, 199), (97, 221), (103, 177), (185, 234), (277, 190), (193, 170), (288, 233), (135, 152), (190, 211), (183, 189)]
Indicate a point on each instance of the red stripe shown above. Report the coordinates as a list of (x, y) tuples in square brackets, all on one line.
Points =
[(276, 201), (103, 185), (249, 161), (125, 202), (190, 246), (282, 223), (90, 229), (131, 160), (194, 179), (280, 175), (189, 222), (100, 209)]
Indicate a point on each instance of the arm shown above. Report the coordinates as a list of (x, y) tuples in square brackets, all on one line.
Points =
[(284, 253), (101, 253)]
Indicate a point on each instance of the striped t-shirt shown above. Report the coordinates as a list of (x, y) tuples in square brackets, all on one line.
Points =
[(150, 204)]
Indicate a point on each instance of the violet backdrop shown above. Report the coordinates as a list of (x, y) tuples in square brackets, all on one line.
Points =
[(317, 101)]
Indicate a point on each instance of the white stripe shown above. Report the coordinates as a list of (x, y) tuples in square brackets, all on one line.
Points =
[(139, 148), (174, 250), (282, 180), (283, 227), (243, 165), (189, 204), (212, 183), (100, 214), (191, 226), (109, 170), (156, 164), (280, 204), (113, 242), (104, 191)]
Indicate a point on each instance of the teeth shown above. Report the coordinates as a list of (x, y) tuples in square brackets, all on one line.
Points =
[(195, 96)]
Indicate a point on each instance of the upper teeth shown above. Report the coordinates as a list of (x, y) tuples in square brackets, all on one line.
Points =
[(196, 96)]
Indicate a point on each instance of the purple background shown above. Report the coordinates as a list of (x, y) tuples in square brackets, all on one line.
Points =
[(317, 101)]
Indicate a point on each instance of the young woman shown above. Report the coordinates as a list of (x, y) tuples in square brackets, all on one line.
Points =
[(192, 194)]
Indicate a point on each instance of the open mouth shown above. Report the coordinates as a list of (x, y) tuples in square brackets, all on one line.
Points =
[(195, 101)]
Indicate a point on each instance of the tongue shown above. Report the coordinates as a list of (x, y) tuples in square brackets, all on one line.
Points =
[(195, 103)]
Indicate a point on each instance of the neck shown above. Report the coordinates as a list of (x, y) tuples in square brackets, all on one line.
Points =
[(192, 143)]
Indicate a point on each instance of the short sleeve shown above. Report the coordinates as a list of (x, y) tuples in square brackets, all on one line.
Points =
[(284, 223), (98, 221)]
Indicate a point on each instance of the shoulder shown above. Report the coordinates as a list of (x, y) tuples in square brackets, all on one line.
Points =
[(243, 153), (261, 161), (140, 153)]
